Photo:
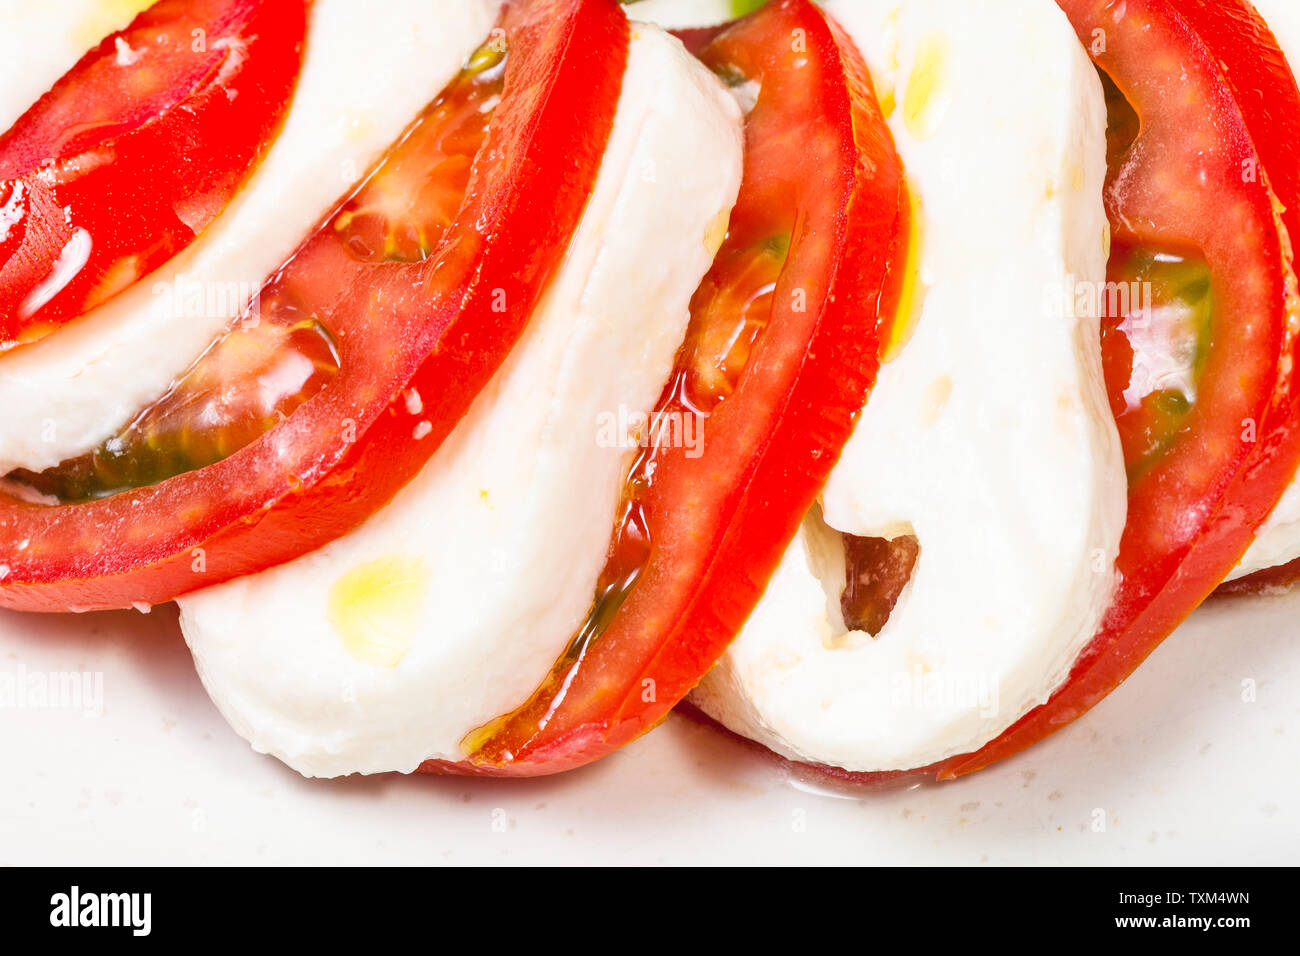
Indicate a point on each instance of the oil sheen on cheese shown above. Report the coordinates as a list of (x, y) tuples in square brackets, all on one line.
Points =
[(988, 437), (363, 79), (447, 608)]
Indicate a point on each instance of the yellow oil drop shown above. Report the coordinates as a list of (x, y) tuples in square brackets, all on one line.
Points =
[(887, 103), (912, 295), (480, 737), (937, 394), (887, 81), (376, 609), (929, 93), (890, 32), (108, 16), (361, 127), (716, 233)]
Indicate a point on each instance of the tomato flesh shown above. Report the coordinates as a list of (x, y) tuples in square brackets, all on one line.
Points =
[(1211, 171), (434, 330), (247, 383), (92, 194), (783, 346), (1199, 324), (405, 209), (282, 352), (1157, 329)]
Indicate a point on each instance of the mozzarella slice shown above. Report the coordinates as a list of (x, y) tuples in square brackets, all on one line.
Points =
[(683, 14), (363, 79), (450, 606), (42, 41), (989, 437), (1278, 541)]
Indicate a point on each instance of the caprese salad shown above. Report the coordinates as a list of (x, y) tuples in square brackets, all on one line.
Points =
[(883, 379)]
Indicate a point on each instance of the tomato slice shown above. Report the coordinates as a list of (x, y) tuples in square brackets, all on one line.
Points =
[(1202, 194), (416, 339), (283, 352), (1212, 171), (1210, 184), (92, 195), (783, 346)]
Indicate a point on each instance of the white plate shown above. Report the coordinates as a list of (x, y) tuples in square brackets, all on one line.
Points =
[(1180, 765)]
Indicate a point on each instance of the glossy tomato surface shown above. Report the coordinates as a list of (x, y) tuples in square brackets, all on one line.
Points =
[(417, 333), (1209, 180), (136, 150), (1202, 189), (783, 346)]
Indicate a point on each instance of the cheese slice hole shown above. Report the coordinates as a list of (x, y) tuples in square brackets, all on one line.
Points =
[(865, 578)]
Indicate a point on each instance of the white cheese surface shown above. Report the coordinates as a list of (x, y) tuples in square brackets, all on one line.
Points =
[(989, 437), (364, 79), (682, 14), (449, 607)]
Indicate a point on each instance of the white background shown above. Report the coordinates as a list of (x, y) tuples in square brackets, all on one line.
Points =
[(1179, 766)]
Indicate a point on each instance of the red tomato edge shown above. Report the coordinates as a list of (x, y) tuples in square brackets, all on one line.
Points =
[(561, 118), (1224, 22), (753, 541)]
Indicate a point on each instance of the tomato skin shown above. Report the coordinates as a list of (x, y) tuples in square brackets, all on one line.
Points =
[(1190, 524), (218, 109), (281, 352), (1275, 580), (720, 523), (1284, 576), (441, 327), (1172, 562)]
